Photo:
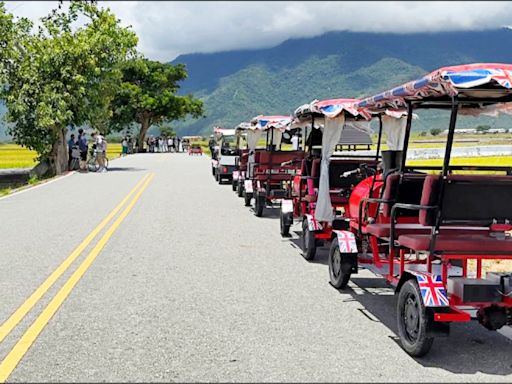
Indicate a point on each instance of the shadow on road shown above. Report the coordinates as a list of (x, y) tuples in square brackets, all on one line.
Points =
[(125, 169), (470, 348)]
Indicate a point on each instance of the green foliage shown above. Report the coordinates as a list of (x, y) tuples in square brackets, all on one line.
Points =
[(64, 75), (166, 130), (423, 133), (32, 180), (435, 131), (147, 95)]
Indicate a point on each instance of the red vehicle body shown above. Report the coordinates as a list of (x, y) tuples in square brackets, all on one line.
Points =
[(266, 178), (424, 228), (195, 149), (344, 173)]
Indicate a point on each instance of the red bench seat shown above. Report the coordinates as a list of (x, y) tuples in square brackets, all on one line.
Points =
[(458, 242), (384, 230)]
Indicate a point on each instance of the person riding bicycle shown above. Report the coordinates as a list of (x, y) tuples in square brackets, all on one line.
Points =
[(100, 149)]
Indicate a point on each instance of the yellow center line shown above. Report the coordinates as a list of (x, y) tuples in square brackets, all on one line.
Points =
[(22, 311), (18, 351)]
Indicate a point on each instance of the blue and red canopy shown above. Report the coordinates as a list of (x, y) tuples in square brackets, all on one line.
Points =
[(443, 82), (265, 122), (332, 108)]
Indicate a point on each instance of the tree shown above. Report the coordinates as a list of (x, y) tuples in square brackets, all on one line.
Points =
[(423, 133), (167, 131), (435, 131), (147, 96), (63, 76)]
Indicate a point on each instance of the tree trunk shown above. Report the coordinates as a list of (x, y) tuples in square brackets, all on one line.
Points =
[(58, 158), (144, 126)]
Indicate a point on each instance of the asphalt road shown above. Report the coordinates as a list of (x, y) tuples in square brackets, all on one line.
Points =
[(191, 286)]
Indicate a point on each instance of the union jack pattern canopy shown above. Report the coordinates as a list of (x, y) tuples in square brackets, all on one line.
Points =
[(446, 82), (332, 108), (263, 122)]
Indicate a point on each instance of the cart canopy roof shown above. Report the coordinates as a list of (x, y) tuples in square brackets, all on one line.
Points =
[(481, 88), (264, 122), (218, 131), (244, 126), (331, 108)]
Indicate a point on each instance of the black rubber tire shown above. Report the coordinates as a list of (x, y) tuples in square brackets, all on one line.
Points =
[(339, 268), (285, 228), (308, 242), (414, 320), (213, 172), (259, 204), (247, 199), (239, 189)]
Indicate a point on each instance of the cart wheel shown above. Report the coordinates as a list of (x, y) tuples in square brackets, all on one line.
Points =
[(259, 204), (285, 228), (339, 268), (413, 320), (240, 190), (247, 199), (308, 242)]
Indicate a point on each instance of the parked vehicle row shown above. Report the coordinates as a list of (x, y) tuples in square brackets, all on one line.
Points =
[(416, 226)]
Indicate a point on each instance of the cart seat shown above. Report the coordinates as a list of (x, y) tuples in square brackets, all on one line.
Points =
[(477, 243), (383, 230), (403, 188), (467, 200)]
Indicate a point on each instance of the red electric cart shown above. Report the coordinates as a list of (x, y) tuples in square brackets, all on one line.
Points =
[(324, 124), (270, 172), (427, 223)]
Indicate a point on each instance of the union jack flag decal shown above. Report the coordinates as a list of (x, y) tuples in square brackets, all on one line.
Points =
[(346, 241), (432, 289)]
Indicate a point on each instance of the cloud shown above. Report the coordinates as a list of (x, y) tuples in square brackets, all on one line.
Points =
[(168, 29)]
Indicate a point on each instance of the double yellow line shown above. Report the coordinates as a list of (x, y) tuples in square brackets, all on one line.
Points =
[(24, 343)]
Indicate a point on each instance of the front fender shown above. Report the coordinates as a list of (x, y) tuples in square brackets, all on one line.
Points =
[(346, 241), (248, 186), (313, 224), (431, 286)]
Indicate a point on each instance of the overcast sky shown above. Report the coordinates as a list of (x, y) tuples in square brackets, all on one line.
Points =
[(168, 29)]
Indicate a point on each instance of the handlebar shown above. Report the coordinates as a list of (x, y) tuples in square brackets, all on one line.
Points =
[(290, 162), (363, 169)]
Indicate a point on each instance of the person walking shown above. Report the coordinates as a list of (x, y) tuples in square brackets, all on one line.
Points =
[(124, 145), (71, 144), (83, 146)]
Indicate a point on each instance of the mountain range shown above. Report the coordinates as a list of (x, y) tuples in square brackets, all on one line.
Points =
[(237, 85)]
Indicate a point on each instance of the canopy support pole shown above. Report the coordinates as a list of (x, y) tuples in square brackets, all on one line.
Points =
[(379, 139), (407, 134), (446, 169), (451, 133)]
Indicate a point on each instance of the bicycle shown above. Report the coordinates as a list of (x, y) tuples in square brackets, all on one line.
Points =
[(74, 164), (92, 163)]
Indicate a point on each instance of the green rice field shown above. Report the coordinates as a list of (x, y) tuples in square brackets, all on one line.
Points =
[(15, 156)]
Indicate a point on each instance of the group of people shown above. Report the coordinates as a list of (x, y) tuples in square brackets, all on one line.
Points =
[(164, 144), (79, 147)]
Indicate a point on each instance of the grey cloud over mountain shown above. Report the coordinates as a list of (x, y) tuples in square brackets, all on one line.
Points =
[(167, 29)]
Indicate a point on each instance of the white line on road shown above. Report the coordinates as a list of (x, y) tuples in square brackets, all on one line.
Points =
[(16, 193)]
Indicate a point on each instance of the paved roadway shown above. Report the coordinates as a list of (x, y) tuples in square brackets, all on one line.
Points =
[(191, 286)]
